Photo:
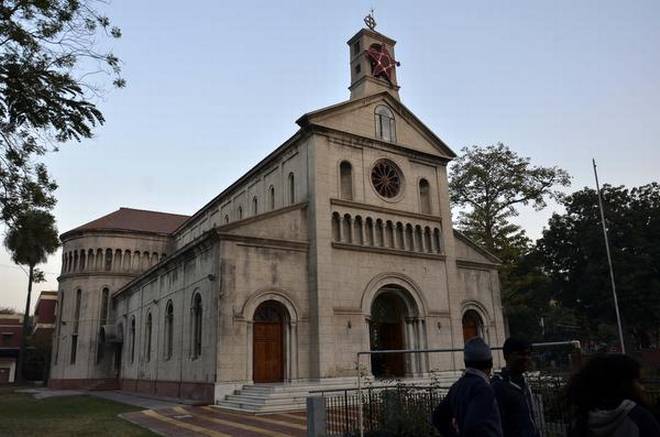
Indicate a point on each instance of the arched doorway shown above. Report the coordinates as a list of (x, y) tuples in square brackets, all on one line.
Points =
[(268, 342), (387, 332), (473, 325)]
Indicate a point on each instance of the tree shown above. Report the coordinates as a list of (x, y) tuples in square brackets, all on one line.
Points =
[(49, 55), (491, 182), (32, 237), (574, 256)]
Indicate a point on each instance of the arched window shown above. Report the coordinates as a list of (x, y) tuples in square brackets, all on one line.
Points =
[(169, 330), (105, 306), (132, 339), (82, 260), (147, 342), (76, 314), (292, 189), (240, 212), (385, 127), (424, 197), (346, 180), (255, 206), (336, 227), (197, 326), (226, 218), (473, 325), (76, 325), (108, 260), (271, 197)]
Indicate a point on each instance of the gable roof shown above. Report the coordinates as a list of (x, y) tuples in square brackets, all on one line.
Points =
[(477, 247), (135, 220), (442, 147)]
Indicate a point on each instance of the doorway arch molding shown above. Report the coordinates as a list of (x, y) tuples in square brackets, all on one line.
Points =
[(278, 295), (380, 283), (471, 304), (282, 297), (482, 311)]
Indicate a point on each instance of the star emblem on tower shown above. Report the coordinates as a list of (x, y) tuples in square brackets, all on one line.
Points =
[(382, 62)]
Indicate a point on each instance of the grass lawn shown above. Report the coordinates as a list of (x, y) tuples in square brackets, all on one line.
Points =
[(22, 415)]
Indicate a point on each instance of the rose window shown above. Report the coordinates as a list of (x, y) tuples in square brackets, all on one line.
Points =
[(386, 178)]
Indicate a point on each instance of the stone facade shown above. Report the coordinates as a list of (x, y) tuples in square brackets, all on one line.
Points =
[(339, 241)]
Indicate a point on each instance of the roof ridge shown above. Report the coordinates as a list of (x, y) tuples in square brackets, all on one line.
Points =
[(150, 211)]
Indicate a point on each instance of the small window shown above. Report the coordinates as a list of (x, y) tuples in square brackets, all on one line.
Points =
[(169, 330), (197, 326), (424, 196), (240, 212), (356, 48), (226, 218), (255, 206), (346, 180), (385, 126), (358, 69), (132, 339), (271, 196), (105, 300), (148, 338), (292, 189), (74, 348)]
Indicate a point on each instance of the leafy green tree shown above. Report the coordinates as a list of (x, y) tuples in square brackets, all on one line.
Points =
[(489, 184), (32, 237), (574, 257), (50, 55)]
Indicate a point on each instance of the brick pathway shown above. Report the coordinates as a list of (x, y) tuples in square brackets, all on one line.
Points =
[(215, 422)]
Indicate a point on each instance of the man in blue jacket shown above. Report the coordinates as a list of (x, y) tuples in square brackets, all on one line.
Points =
[(470, 409), (514, 397)]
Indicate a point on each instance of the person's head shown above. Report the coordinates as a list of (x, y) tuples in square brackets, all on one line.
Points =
[(477, 355), (604, 382), (518, 355)]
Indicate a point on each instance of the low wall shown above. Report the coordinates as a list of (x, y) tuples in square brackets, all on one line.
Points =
[(197, 391)]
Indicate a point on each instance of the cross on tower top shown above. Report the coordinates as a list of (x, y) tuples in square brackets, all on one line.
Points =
[(370, 21)]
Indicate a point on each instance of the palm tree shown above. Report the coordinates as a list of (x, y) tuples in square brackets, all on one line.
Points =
[(30, 239)]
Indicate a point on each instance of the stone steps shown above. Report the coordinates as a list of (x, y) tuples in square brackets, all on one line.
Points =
[(280, 397)]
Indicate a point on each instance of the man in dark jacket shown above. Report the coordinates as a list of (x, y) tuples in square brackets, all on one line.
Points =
[(469, 409), (514, 397)]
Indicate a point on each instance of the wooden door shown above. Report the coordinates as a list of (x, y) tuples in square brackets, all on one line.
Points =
[(471, 325), (268, 352), (393, 340), (4, 375)]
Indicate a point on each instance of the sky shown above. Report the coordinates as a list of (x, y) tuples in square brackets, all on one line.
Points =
[(214, 86)]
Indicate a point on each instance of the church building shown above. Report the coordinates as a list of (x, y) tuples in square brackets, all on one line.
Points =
[(339, 241)]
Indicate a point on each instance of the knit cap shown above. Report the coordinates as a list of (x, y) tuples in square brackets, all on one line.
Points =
[(476, 349)]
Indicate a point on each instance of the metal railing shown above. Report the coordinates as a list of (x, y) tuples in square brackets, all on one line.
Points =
[(573, 343)]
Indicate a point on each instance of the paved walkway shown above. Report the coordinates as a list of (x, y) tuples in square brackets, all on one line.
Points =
[(215, 422)]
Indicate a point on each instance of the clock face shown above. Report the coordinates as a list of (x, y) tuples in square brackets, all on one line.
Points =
[(382, 63)]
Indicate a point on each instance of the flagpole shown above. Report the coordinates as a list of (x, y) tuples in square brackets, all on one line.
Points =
[(609, 259)]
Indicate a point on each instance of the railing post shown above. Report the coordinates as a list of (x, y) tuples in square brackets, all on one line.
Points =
[(316, 417)]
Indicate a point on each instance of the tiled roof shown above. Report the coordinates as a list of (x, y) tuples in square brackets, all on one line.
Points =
[(137, 220)]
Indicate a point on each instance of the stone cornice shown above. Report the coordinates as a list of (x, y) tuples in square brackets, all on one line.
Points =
[(475, 265), (362, 141), (246, 240), (262, 216)]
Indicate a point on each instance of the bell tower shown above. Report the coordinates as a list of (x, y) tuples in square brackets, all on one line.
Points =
[(372, 61)]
